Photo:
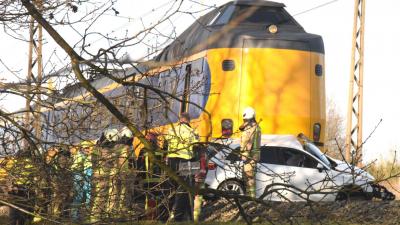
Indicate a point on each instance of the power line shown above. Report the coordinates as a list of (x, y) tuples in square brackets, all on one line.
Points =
[(314, 8), (193, 2), (131, 19), (142, 15)]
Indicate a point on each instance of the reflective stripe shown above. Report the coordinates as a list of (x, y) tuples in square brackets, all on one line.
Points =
[(255, 148)]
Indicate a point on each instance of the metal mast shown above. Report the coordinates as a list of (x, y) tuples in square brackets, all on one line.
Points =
[(35, 63), (355, 106)]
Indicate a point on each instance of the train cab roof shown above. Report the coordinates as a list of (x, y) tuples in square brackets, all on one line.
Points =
[(258, 13), (235, 21), (259, 3)]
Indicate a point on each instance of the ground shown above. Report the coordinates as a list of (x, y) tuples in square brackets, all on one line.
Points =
[(351, 213), (359, 212)]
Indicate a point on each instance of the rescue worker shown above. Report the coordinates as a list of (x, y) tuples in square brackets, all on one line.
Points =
[(181, 139), (250, 148), (103, 165), (151, 181), (119, 172), (22, 193), (82, 172), (61, 181)]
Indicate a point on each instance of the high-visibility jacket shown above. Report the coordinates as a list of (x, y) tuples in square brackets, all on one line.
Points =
[(81, 162), (21, 171), (180, 141)]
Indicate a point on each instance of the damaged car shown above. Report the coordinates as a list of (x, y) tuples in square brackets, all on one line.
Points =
[(291, 168)]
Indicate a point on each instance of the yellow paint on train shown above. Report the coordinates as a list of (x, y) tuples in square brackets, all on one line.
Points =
[(280, 84)]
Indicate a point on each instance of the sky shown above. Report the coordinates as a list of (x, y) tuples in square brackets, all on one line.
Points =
[(333, 21)]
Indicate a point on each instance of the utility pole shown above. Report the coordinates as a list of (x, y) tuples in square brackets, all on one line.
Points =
[(355, 105), (35, 63)]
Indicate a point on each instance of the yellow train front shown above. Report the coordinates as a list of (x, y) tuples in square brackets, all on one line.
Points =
[(247, 53)]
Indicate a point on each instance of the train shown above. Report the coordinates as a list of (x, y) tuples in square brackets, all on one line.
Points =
[(243, 53)]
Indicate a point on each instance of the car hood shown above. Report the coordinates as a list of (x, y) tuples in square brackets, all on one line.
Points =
[(359, 173)]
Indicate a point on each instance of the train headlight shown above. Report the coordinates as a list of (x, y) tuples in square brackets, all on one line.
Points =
[(273, 29)]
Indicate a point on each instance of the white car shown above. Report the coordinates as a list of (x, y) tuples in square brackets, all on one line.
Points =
[(291, 169)]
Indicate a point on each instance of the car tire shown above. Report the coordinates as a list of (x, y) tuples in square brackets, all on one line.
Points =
[(356, 194), (232, 186)]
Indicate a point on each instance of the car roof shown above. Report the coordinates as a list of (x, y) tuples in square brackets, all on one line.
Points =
[(288, 141), (279, 140)]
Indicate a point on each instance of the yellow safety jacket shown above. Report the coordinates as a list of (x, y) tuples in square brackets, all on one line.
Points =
[(21, 171), (180, 141), (81, 162)]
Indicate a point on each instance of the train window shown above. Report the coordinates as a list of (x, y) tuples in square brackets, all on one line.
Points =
[(215, 18), (135, 103), (225, 16), (198, 88), (129, 107), (228, 65), (263, 15), (139, 92), (319, 71)]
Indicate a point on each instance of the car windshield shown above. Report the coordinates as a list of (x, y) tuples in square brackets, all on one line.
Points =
[(314, 150)]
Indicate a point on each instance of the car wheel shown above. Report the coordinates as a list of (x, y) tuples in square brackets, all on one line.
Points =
[(352, 194), (232, 186)]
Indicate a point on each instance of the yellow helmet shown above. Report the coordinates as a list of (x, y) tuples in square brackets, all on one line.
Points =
[(87, 144)]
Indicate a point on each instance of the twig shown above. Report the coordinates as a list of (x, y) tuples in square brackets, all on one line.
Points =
[(242, 212)]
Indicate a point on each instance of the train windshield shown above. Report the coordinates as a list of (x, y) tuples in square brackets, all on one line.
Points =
[(255, 15)]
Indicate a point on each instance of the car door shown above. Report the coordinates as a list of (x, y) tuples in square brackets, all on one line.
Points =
[(311, 179), (233, 164), (225, 165), (272, 176)]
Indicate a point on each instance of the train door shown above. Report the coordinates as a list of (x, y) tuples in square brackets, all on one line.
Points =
[(275, 81), (193, 87)]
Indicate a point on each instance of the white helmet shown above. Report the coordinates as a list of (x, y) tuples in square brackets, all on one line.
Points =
[(111, 135), (125, 132), (249, 113)]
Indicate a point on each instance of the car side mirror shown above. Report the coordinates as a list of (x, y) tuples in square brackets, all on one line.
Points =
[(320, 167)]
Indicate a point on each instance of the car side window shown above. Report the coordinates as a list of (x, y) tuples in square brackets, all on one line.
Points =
[(286, 157), (234, 155), (298, 159), (271, 155)]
